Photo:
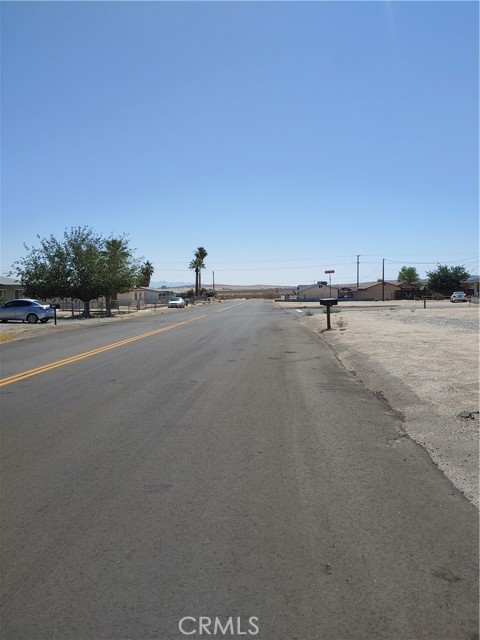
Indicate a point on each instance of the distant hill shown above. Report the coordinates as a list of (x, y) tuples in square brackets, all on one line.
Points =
[(170, 285), (219, 287)]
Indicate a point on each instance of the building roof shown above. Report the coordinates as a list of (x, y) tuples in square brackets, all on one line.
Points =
[(365, 285), (5, 280), (375, 284), (302, 287)]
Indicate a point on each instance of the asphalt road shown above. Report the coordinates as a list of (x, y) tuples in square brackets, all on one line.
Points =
[(227, 467)]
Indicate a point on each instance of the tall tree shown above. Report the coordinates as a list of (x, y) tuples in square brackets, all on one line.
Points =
[(195, 266), (446, 279), (408, 275), (83, 266), (146, 273), (45, 272), (200, 255), (67, 268), (120, 270)]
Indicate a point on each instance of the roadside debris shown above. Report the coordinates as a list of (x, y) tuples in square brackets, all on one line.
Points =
[(469, 414)]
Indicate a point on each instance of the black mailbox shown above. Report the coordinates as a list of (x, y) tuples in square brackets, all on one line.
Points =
[(328, 302)]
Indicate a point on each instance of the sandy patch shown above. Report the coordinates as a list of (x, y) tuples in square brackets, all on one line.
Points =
[(425, 363)]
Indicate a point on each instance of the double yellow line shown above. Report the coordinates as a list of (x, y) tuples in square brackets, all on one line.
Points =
[(81, 356)]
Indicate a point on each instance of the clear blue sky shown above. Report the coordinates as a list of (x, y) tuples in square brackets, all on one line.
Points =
[(284, 137)]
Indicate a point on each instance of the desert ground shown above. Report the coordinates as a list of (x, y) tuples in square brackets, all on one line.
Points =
[(424, 362)]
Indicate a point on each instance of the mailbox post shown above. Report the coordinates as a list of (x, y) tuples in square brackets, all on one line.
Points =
[(328, 302), (55, 307)]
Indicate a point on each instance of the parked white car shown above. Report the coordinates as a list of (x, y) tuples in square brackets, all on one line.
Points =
[(458, 296), (176, 303), (26, 310)]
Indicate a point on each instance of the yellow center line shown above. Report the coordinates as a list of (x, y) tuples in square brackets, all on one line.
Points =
[(227, 308), (87, 354)]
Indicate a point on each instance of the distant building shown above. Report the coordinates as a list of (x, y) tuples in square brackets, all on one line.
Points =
[(10, 289), (472, 288), (365, 291), (380, 290), (409, 292), (314, 292), (140, 297)]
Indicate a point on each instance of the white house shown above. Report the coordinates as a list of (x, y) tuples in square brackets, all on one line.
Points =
[(140, 297)]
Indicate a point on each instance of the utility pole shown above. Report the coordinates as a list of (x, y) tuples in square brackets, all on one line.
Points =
[(383, 280), (330, 271), (358, 270), (213, 282)]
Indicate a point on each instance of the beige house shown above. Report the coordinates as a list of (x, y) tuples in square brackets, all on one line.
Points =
[(10, 289), (366, 291), (315, 292), (376, 291)]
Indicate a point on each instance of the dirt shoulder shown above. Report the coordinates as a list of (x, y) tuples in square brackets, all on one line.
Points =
[(20, 330), (425, 363)]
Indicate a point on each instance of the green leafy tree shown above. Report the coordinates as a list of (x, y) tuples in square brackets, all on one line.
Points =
[(408, 275), (67, 268), (446, 279), (83, 266)]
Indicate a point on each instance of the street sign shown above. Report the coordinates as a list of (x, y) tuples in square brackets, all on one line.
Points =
[(330, 271)]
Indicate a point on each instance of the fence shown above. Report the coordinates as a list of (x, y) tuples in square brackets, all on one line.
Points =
[(98, 307)]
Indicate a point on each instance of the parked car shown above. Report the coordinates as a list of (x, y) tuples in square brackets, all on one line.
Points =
[(458, 296), (176, 303), (26, 310)]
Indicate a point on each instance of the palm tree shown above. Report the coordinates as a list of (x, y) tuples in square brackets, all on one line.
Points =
[(200, 255), (146, 274), (197, 264), (118, 270)]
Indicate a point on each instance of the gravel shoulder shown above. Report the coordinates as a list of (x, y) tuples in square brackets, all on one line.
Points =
[(424, 363)]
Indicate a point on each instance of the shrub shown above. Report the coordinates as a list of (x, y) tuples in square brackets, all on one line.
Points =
[(332, 310)]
